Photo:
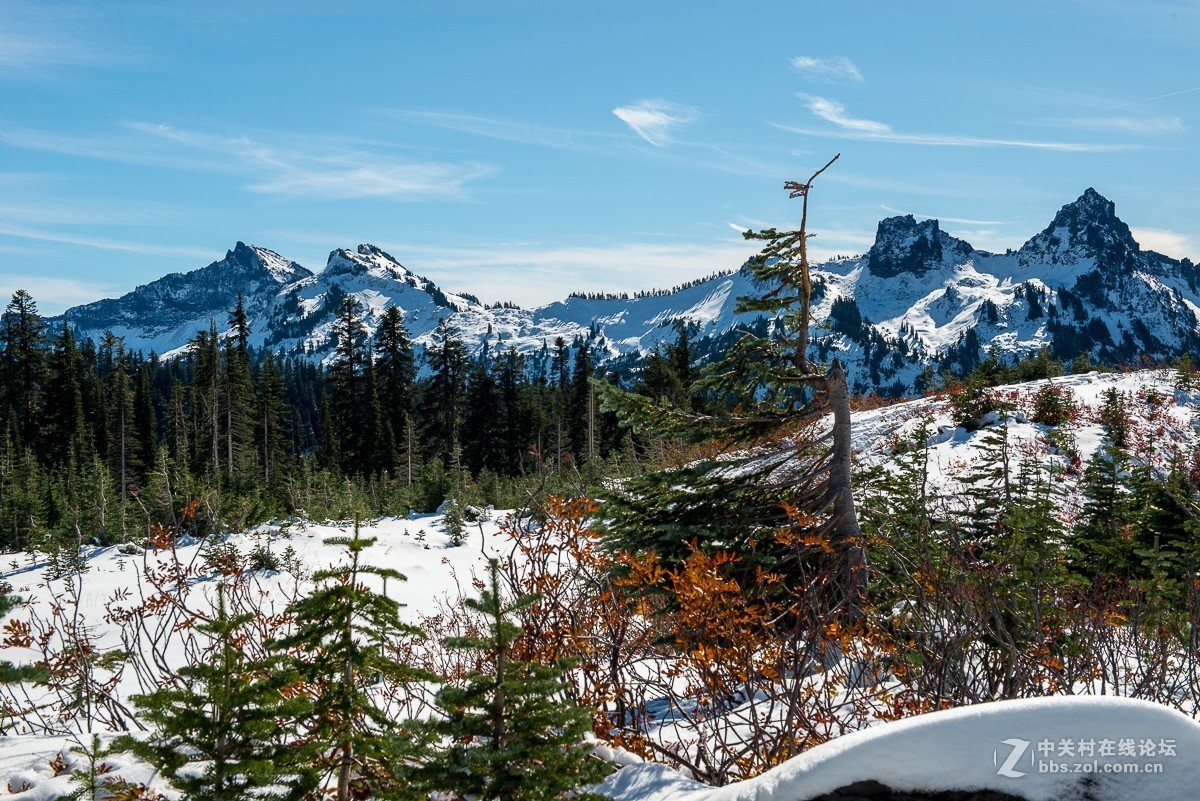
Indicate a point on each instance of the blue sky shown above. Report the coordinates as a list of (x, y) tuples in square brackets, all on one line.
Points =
[(521, 149)]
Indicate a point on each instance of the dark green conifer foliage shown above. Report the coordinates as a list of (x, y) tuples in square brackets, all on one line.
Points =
[(766, 392), (22, 366), (221, 728), (582, 408), (145, 427), (237, 399), (516, 418), (342, 645), (988, 487), (65, 421), (353, 403), (483, 422), (271, 429), (395, 370), (1104, 539), (119, 394), (207, 456), (509, 732), (445, 394)]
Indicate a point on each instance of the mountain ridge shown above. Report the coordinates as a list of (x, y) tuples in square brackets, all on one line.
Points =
[(919, 297)]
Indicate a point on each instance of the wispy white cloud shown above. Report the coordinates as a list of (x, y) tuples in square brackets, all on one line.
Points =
[(53, 295), (959, 220), (328, 171), (1134, 125), (1167, 242), (507, 130), (836, 69), (38, 36), (533, 273), (656, 120), (101, 243), (302, 167), (855, 128), (835, 112)]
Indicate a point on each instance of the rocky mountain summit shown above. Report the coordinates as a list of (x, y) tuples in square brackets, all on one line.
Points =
[(918, 298)]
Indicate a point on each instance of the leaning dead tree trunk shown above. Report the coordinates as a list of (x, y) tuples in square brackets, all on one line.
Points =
[(846, 533), (835, 497)]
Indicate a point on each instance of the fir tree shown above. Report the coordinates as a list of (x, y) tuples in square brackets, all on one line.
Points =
[(221, 728), (22, 365), (445, 394), (482, 426), (354, 403), (343, 644), (509, 732), (775, 473), (271, 433), (237, 401), (582, 407), (64, 415), (395, 371)]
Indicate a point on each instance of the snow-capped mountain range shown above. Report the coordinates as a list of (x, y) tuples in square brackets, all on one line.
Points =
[(918, 297)]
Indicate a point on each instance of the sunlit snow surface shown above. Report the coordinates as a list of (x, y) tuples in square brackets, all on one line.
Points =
[(960, 749), (972, 748)]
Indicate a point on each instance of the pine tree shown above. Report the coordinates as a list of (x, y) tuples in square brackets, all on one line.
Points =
[(515, 419), (121, 453), (145, 427), (560, 376), (221, 729), (509, 732), (353, 401), (445, 393), (271, 433), (22, 365), (395, 370), (1103, 540), (343, 644), (237, 397), (775, 473), (64, 414), (206, 402), (582, 406), (483, 421)]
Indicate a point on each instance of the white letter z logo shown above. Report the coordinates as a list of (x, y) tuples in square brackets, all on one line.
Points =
[(1018, 750)]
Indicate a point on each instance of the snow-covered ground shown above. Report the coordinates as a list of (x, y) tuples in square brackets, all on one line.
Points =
[(1163, 422), (1042, 749), (124, 591)]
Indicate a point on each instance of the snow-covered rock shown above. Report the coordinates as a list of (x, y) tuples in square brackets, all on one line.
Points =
[(1040, 749)]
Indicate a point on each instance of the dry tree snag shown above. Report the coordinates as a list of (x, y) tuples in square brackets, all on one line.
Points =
[(833, 494)]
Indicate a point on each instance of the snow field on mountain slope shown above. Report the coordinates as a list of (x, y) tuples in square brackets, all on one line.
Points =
[(1163, 421)]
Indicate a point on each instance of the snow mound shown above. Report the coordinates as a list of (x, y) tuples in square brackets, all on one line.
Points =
[(1042, 749)]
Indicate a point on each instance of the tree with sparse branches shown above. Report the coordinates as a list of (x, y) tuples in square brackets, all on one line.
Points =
[(774, 452)]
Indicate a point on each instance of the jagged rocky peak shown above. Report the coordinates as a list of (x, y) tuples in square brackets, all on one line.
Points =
[(366, 258), (376, 252), (255, 259), (1086, 228), (903, 245)]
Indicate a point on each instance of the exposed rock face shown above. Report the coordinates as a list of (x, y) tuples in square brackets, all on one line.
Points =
[(903, 245)]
